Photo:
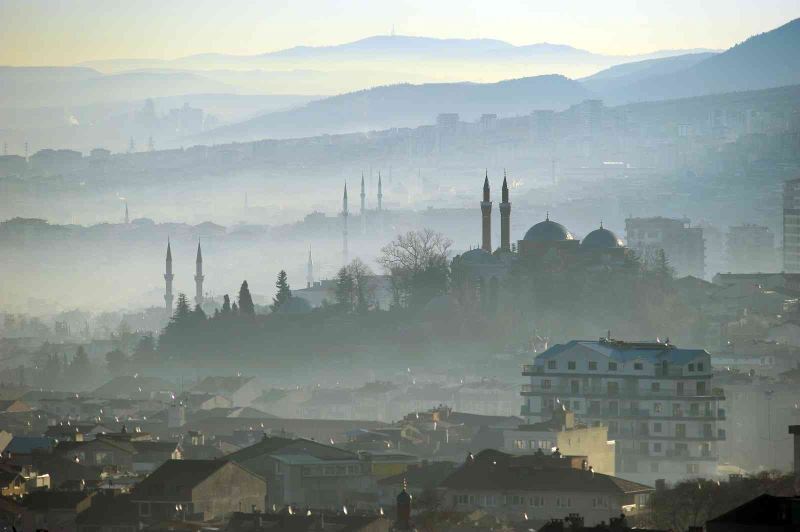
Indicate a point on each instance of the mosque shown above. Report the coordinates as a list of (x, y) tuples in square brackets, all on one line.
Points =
[(546, 246)]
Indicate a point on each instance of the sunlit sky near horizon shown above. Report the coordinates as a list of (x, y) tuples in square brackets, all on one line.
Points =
[(53, 32)]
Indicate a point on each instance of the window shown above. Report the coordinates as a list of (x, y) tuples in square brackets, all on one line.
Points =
[(545, 384), (613, 427), (536, 501), (576, 405), (575, 386), (638, 366), (691, 367), (654, 467), (613, 388), (699, 366), (519, 444), (655, 386), (657, 408), (657, 447), (612, 366), (677, 411), (693, 469), (680, 430), (144, 509), (657, 428), (571, 364), (551, 364), (592, 365)]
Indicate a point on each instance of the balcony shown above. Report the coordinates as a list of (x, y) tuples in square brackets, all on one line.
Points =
[(532, 369)]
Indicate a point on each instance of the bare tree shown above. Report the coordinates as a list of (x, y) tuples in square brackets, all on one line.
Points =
[(417, 262)]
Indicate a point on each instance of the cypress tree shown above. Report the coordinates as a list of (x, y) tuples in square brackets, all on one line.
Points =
[(246, 300), (283, 293)]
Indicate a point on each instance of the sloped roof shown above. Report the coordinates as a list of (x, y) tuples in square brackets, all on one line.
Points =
[(627, 351), (216, 384), (284, 447), (495, 470), (188, 473)]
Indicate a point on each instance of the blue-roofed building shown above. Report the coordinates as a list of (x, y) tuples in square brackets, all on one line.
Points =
[(656, 399)]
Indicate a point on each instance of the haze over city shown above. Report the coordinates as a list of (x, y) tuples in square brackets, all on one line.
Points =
[(372, 266)]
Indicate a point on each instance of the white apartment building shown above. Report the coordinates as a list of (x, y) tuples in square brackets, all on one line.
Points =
[(656, 399)]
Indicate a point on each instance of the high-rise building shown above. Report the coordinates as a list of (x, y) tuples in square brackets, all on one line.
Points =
[(750, 248), (791, 226), (655, 398), (683, 244)]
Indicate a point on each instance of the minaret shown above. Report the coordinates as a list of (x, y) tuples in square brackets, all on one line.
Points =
[(380, 204), (505, 218), (310, 270), (486, 215), (168, 277), (344, 227), (127, 219), (198, 277), (363, 207), (380, 193)]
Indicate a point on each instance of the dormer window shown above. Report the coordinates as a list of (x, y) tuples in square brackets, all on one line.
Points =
[(592, 365), (551, 364), (691, 367)]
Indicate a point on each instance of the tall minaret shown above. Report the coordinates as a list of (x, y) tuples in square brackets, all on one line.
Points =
[(198, 277), (345, 259), (380, 204), (505, 218), (363, 207), (310, 270), (380, 193), (168, 277), (486, 215), (127, 219)]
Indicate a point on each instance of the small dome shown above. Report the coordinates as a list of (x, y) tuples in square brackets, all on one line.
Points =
[(478, 256), (548, 231), (601, 239)]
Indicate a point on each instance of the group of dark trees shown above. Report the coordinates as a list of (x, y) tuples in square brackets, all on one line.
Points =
[(547, 299)]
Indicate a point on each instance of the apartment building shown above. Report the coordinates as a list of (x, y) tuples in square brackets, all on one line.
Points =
[(656, 399)]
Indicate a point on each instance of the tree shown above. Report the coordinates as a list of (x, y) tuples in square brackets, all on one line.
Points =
[(226, 305), (79, 371), (283, 293), (355, 289), (146, 349), (116, 362), (418, 265), (182, 309), (246, 301)]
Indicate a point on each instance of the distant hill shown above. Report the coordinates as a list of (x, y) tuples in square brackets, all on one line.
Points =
[(407, 105), (620, 76), (767, 60), (72, 86)]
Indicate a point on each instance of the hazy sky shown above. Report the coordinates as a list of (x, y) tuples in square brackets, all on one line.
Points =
[(58, 32)]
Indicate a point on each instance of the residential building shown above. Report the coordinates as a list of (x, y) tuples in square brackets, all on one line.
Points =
[(765, 513), (751, 248), (241, 391), (791, 226), (305, 472), (682, 243), (198, 490), (540, 487), (570, 438), (656, 399)]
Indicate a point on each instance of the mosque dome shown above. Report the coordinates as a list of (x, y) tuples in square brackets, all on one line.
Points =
[(548, 231), (478, 256), (601, 238)]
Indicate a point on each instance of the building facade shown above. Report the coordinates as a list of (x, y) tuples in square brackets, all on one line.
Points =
[(656, 399), (791, 226), (684, 245)]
